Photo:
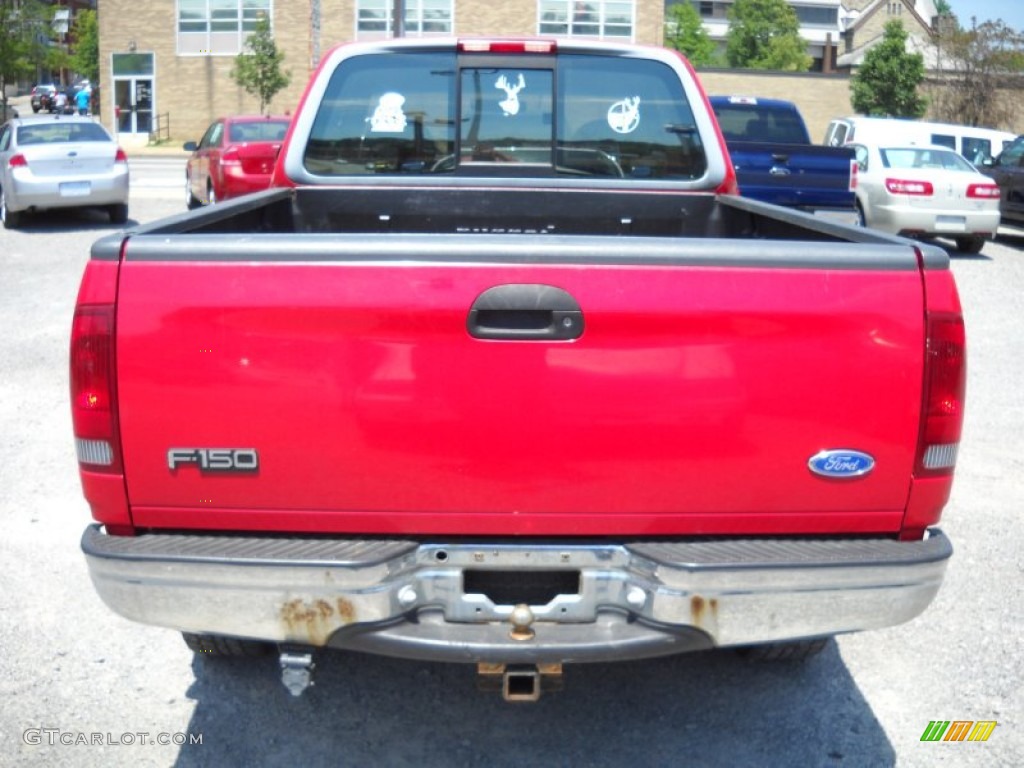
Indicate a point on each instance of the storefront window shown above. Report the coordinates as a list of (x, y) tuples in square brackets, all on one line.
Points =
[(374, 18), (218, 27), (596, 19)]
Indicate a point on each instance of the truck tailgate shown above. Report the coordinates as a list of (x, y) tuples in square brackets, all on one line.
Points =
[(794, 175), (691, 403)]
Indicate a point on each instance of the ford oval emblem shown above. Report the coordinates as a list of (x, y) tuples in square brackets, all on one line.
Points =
[(841, 463)]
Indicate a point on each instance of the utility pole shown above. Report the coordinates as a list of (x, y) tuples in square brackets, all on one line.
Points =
[(314, 34), (398, 22)]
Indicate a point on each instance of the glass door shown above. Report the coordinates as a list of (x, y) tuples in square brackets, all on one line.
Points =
[(133, 98), (143, 106), (133, 92)]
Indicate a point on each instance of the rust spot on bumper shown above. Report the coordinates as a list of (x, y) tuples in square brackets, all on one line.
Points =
[(313, 621), (346, 611), (701, 610)]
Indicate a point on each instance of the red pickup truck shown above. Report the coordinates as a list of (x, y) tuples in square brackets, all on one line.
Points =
[(503, 372)]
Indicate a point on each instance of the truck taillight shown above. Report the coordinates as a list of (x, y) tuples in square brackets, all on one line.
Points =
[(93, 411), (908, 187), (945, 380), (854, 170)]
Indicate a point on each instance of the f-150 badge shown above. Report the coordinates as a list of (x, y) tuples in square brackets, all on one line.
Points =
[(841, 463), (214, 459)]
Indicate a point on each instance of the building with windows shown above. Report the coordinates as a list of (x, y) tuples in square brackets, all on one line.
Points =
[(168, 62), (865, 24), (838, 32)]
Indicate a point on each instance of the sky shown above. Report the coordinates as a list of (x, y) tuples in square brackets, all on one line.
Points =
[(1010, 11)]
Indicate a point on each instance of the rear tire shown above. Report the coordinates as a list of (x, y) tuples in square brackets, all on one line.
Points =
[(972, 244), (211, 194), (861, 220), (190, 200), (229, 647), (118, 213), (801, 650), (11, 219)]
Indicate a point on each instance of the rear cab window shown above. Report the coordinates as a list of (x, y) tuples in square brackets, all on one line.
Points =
[(751, 120), (444, 113)]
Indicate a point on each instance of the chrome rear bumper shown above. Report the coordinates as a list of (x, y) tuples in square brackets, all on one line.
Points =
[(407, 598)]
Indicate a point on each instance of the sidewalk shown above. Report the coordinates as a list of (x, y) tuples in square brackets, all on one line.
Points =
[(172, 149), (138, 145)]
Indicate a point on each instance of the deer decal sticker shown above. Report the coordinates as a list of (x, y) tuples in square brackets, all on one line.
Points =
[(510, 104)]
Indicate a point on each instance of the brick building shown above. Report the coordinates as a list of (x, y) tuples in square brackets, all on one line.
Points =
[(838, 32), (169, 61)]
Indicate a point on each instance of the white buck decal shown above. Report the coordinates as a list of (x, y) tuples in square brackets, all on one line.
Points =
[(510, 106)]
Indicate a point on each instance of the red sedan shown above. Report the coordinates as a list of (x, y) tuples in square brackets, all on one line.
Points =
[(235, 157)]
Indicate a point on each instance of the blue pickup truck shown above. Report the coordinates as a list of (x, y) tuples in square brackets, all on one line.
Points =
[(776, 162)]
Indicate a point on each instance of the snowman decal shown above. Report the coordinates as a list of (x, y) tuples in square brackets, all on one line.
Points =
[(388, 117)]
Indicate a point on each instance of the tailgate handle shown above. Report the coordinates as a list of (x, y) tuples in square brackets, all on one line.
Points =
[(525, 311)]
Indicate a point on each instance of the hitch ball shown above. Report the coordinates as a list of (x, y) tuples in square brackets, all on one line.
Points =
[(522, 619)]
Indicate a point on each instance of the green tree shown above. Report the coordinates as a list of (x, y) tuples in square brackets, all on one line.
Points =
[(765, 34), (886, 83), (85, 59), (25, 34), (685, 33), (258, 68), (981, 74)]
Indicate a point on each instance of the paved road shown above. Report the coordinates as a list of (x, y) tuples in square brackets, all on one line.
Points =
[(71, 667)]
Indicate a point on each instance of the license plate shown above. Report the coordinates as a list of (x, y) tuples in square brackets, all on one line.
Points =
[(950, 223), (75, 188)]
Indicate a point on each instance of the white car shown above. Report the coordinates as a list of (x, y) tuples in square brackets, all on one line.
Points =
[(925, 191), (61, 161)]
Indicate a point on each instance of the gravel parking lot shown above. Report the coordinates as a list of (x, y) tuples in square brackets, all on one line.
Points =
[(82, 687)]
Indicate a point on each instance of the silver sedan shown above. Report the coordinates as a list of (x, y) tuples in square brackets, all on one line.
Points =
[(925, 191), (60, 161)]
